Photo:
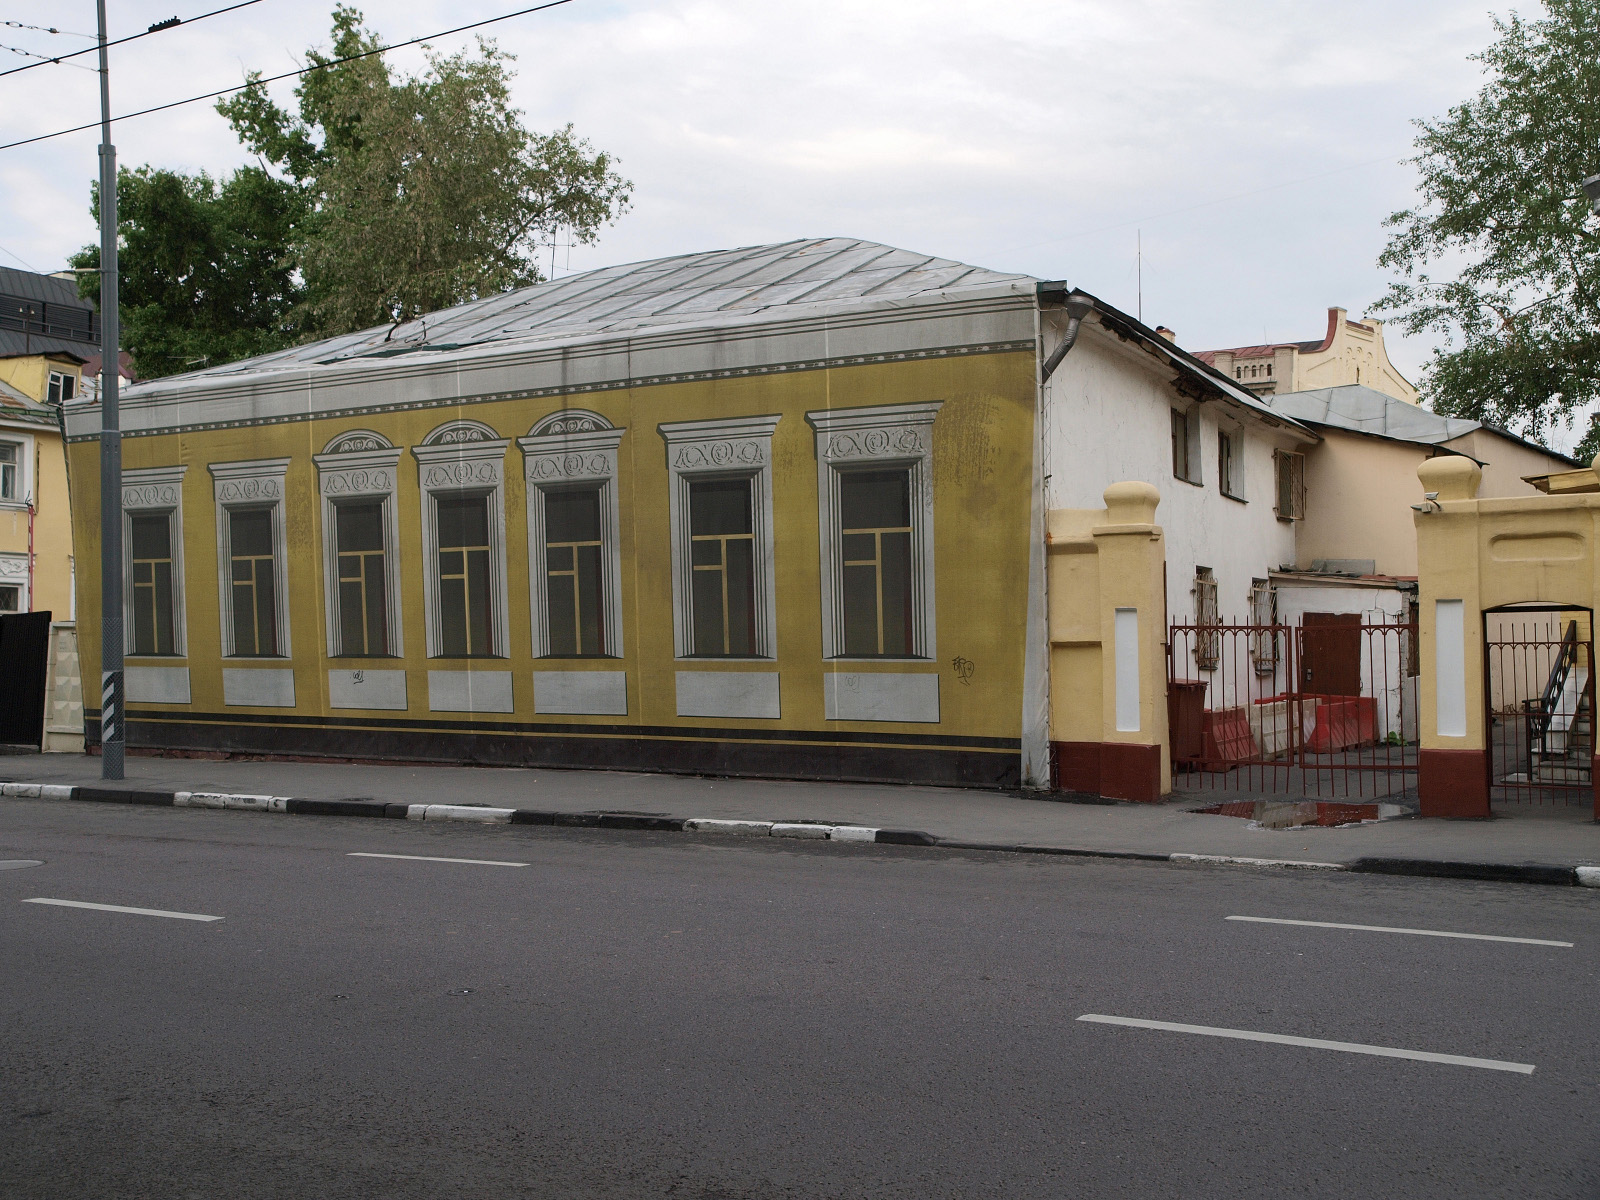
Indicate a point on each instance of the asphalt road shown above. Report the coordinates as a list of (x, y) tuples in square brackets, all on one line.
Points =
[(656, 1015)]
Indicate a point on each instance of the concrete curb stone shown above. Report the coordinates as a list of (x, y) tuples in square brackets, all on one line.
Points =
[(1538, 873)]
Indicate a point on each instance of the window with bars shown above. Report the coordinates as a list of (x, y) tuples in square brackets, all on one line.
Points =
[(465, 577), (1289, 469), (875, 535), (574, 553), (1208, 639), (363, 580), (722, 553), (253, 574), (151, 568), (1263, 614)]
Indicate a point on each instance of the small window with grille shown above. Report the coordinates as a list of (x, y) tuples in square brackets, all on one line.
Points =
[(1208, 639), (1290, 472), (1263, 615)]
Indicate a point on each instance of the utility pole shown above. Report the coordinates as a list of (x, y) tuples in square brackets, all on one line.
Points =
[(112, 724)]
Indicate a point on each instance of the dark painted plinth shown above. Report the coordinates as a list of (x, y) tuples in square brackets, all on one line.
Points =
[(1453, 783), (1116, 770)]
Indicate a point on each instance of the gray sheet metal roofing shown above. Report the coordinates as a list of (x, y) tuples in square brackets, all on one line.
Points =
[(1357, 407), (719, 287)]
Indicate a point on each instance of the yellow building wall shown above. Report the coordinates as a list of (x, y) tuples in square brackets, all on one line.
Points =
[(30, 374), (981, 465), (52, 522), (1355, 354)]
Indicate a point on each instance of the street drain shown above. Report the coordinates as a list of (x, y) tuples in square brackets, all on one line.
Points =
[(16, 864), (1298, 814)]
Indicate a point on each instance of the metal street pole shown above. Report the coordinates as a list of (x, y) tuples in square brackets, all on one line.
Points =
[(111, 693)]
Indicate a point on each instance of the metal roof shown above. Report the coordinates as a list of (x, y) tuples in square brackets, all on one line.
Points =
[(714, 288), (1356, 407)]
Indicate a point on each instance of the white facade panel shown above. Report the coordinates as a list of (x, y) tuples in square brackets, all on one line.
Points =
[(581, 693), (258, 687), (728, 694), (362, 688), (881, 696), (157, 685), (469, 691)]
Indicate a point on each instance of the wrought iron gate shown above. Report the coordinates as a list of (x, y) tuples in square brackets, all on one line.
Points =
[(1540, 694), (1325, 709)]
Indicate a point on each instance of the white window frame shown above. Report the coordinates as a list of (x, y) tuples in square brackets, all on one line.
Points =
[(890, 435), (64, 378), (244, 485), (727, 448), (359, 465), (463, 458), (14, 573), (146, 490), (25, 453), (574, 446)]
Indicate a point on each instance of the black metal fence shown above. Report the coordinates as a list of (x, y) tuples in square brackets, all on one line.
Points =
[(1541, 692)]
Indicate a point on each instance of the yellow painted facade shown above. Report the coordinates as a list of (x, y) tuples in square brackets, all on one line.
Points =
[(1349, 352), (32, 427), (981, 472)]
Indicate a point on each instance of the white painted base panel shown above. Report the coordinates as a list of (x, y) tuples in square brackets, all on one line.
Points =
[(258, 687), (881, 696), (366, 689), (469, 691), (728, 694), (157, 685), (581, 693)]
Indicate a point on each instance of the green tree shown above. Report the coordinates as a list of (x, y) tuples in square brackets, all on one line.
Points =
[(424, 191), (206, 271), (380, 199), (1502, 255)]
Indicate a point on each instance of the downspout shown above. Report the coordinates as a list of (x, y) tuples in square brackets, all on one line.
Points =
[(30, 553), (1077, 306)]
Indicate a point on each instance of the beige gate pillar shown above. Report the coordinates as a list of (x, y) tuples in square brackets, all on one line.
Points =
[(1453, 757), (1108, 672)]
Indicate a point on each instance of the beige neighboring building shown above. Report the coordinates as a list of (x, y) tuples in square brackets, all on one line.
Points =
[(1360, 480), (1350, 352)]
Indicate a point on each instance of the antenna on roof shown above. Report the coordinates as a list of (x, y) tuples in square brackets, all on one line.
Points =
[(1138, 266)]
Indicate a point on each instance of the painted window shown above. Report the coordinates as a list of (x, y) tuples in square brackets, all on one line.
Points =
[(1208, 640), (574, 557), (61, 387), (465, 574), (720, 513), (1186, 444), (356, 474), (252, 557), (574, 554), (10, 467), (363, 579), (1289, 471), (723, 550), (875, 514), (152, 561), (876, 531), (10, 598), (253, 574), (1230, 476), (461, 468), (151, 565)]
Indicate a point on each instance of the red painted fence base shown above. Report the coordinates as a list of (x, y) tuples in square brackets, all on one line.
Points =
[(1116, 770), (1453, 783)]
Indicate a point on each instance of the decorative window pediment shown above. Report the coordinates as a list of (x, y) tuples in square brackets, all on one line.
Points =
[(252, 561), (461, 473), (357, 475)]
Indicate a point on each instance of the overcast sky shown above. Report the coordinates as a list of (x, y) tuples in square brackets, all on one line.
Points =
[(1255, 146)]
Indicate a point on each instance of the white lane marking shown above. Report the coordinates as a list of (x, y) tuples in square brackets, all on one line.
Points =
[(122, 908), (476, 862), (1476, 937), (1283, 1039)]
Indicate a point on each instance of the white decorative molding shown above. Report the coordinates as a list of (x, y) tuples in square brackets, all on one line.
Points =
[(360, 688), (573, 448), (581, 693), (725, 448), (14, 569), (469, 691), (258, 687), (889, 435), (255, 484), (464, 458), (728, 694), (155, 490), (360, 465), (881, 696), (157, 685)]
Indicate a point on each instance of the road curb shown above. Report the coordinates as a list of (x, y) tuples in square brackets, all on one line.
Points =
[(1537, 873)]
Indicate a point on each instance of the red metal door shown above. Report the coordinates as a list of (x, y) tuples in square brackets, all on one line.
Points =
[(1330, 654)]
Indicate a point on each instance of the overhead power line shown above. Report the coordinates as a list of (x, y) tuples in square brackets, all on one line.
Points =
[(301, 73), (158, 27)]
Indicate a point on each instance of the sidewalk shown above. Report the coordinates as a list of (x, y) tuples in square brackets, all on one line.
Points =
[(1552, 836)]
